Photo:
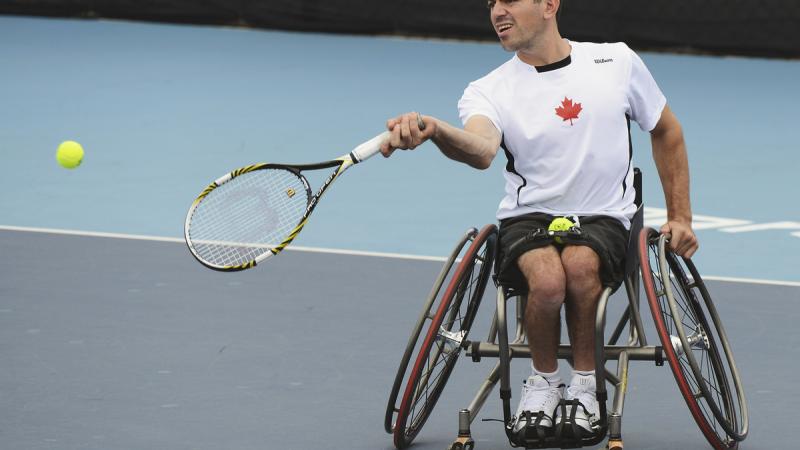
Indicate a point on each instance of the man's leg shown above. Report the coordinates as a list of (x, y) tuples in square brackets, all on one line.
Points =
[(582, 270), (546, 279), (583, 288), (542, 391)]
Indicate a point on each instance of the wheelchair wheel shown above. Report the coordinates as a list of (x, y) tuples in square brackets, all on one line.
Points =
[(448, 318), (694, 341), (444, 277)]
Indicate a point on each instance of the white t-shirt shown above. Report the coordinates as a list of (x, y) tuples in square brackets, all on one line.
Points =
[(566, 129)]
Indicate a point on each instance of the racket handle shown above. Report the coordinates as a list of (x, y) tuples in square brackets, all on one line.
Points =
[(370, 148)]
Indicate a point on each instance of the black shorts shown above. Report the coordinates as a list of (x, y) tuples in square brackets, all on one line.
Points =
[(605, 235)]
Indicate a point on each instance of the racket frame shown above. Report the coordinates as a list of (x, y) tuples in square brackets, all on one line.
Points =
[(359, 154)]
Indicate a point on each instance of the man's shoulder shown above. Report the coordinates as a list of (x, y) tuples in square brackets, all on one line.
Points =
[(603, 55), (600, 49), (600, 46), (499, 73)]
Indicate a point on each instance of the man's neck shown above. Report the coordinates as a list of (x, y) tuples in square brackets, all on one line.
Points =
[(546, 51)]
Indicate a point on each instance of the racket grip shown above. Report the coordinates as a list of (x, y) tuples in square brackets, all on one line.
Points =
[(370, 148)]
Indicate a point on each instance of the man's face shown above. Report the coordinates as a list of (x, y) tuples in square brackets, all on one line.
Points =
[(516, 22)]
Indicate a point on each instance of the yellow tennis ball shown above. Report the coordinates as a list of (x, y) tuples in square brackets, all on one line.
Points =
[(560, 224), (69, 154)]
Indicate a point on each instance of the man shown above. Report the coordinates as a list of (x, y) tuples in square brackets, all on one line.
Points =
[(561, 111)]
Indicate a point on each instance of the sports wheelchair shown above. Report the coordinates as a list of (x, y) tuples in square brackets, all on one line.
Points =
[(693, 342)]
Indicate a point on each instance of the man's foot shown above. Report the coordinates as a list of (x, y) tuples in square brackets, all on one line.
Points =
[(587, 414), (537, 404)]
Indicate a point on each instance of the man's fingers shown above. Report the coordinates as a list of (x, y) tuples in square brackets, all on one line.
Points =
[(394, 137), (416, 133), (688, 253), (688, 246), (405, 131), (677, 242), (682, 240), (387, 149), (665, 229), (408, 131)]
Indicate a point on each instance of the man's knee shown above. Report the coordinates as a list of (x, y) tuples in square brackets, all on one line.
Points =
[(544, 274), (581, 266), (549, 293)]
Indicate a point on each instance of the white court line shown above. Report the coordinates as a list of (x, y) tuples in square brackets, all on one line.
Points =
[(140, 237), (751, 281)]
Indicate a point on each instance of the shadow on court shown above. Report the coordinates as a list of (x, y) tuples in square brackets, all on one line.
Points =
[(130, 344)]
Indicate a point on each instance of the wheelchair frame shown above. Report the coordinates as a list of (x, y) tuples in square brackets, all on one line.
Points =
[(712, 388)]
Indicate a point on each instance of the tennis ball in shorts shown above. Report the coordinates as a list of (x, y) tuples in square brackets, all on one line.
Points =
[(560, 224), (69, 154)]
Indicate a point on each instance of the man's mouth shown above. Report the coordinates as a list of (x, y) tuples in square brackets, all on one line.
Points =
[(502, 28)]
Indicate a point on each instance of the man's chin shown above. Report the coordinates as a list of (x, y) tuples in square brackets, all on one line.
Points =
[(509, 46)]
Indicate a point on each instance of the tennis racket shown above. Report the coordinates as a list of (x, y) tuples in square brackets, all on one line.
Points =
[(254, 212)]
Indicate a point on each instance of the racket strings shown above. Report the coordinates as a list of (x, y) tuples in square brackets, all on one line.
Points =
[(248, 216)]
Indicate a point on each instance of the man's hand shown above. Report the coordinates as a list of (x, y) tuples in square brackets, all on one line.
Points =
[(683, 241), (409, 131)]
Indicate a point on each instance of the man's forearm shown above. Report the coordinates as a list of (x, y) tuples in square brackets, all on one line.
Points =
[(474, 149), (669, 154)]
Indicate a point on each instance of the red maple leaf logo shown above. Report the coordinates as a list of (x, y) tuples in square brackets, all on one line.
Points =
[(568, 110)]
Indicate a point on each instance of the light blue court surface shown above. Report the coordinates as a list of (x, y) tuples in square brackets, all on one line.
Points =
[(163, 110)]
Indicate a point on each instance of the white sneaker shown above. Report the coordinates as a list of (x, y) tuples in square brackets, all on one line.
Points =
[(583, 388), (537, 396)]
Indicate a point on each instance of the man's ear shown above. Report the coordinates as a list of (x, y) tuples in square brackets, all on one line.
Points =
[(551, 8)]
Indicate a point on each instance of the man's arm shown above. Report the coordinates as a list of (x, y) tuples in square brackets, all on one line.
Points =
[(475, 145), (669, 153)]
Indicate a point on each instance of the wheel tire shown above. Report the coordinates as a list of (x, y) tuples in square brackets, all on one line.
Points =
[(434, 297), (449, 323), (685, 318)]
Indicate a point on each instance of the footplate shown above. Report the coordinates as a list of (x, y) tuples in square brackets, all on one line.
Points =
[(462, 443), (565, 434)]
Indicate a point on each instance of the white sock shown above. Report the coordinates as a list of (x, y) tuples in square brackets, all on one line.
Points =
[(584, 377), (553, 379)]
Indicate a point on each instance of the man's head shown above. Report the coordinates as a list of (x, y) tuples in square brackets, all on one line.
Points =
[(521, 24)]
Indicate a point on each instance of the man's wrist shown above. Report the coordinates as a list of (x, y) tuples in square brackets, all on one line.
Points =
[(680, 219), (436, 135)]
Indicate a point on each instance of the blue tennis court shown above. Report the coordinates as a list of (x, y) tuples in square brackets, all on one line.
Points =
[(162, 110)]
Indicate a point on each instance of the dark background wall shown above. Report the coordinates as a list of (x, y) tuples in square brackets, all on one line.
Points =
[(768, 28)]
